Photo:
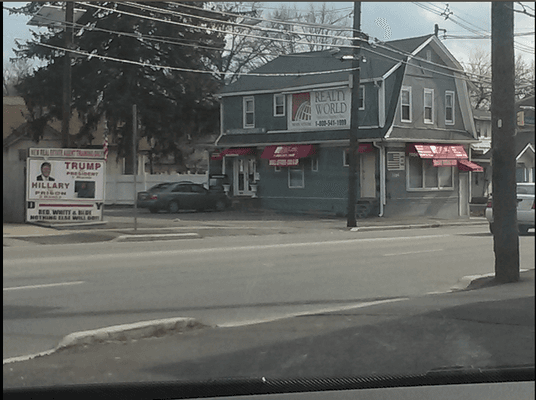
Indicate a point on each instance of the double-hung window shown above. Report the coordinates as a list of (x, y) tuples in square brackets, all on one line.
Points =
[(405, 104), (249, 112), (279, 105), (449, 107), (428, 106), (361, 97)]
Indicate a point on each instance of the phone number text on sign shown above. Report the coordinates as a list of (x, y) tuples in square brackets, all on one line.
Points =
[(331, 122)]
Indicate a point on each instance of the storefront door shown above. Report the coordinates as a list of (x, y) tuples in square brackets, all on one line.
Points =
[(463, 194), (244, 169), (368, 174)]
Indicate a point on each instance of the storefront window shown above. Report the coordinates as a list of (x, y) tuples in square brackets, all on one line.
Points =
[(430, 174), (295, 177), (445, 177), (415, 172), (422, 174)]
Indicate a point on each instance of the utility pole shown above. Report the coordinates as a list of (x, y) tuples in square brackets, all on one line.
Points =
[(69, 18), (503, 119), (354, 122), (135, 161)]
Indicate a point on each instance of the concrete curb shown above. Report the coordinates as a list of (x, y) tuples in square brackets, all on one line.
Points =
[(466, 281), (137, 330), (134, 331), (152, 237), (418, 226)]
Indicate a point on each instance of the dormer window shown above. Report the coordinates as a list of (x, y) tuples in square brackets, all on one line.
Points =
[(279, 105), (249, 112), (428, 106), (449, 107)]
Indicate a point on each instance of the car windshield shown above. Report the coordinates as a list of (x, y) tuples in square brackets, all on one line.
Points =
[(200, 192)]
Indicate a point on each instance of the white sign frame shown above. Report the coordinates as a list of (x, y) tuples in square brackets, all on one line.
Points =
[(65, 185)]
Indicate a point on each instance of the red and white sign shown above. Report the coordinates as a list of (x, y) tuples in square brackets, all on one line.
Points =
[(65, 185)]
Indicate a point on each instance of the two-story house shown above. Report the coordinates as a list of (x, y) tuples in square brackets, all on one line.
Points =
[(285, 132)]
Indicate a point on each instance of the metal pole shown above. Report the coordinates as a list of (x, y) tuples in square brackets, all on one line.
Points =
[(503, 119), (69, 17), (134, 162), (354, 123)]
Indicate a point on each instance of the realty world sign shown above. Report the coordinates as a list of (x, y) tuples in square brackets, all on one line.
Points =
[(65, 187), (320, 109)]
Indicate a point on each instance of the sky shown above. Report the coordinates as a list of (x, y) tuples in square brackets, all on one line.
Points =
[(383, 20)]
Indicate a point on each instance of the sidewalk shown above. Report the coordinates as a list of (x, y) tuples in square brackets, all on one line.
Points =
[(207, 224), (488, 327)]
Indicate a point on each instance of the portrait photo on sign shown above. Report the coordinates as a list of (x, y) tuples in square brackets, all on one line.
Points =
[(46, 169)]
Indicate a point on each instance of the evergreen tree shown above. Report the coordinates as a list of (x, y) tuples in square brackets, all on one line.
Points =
[(171, 104)]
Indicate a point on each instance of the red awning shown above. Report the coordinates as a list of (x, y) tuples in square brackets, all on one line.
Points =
[(466, 165), (439, 151), (284, 156), (238, 151), (438, 162)]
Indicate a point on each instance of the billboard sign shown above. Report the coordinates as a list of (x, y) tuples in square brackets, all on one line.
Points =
[(320, 109), (65, 185)]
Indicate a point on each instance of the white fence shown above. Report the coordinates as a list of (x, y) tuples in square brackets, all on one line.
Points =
[(120, 188)]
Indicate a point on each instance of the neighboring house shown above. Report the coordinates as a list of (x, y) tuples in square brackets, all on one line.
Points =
[(524, 143), (284, 138), (119, 179), (480, 182)]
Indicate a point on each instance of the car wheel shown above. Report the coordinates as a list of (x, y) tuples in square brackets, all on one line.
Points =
[(173, 207), (523, 230), (153, 210), (220, 205), (491, 228)]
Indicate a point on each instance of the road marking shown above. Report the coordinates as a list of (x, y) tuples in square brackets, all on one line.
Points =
[(411, 252), (311, 312), (42, 286), (153, 254)]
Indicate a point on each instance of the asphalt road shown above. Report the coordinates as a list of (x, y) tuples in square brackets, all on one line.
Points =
[(51, 291)]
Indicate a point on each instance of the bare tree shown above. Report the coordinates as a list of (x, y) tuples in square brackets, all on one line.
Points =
[(256, 37), (14, 72), (478, 68)]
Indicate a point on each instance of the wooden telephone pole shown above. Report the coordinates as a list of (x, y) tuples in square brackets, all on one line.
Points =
[(503, 119), (354, 123)]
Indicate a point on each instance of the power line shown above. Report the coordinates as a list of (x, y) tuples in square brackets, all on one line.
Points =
[(144, 64), (211, 29), (377, 44)]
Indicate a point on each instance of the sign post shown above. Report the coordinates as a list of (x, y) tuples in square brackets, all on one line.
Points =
[(65, 185)]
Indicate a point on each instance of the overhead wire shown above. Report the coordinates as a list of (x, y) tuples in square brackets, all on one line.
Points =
[(406, 54), (377, 44)]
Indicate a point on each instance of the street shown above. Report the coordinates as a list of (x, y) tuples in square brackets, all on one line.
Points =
[(51, 291)]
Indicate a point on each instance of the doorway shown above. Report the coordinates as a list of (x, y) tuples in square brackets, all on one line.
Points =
[(368, 174), (244, 170), (463, 194)]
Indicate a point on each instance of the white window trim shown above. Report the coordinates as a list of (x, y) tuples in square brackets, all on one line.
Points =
[(277, 168), (450, 122), (408, 88), (345, 161), (276, 96), (362, 87), (427, 189), (314, 164), (303, 178), (424, 106), (246, 99)]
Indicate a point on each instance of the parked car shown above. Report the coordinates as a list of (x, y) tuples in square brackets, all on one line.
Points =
[(525, 208), (175, 196)]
